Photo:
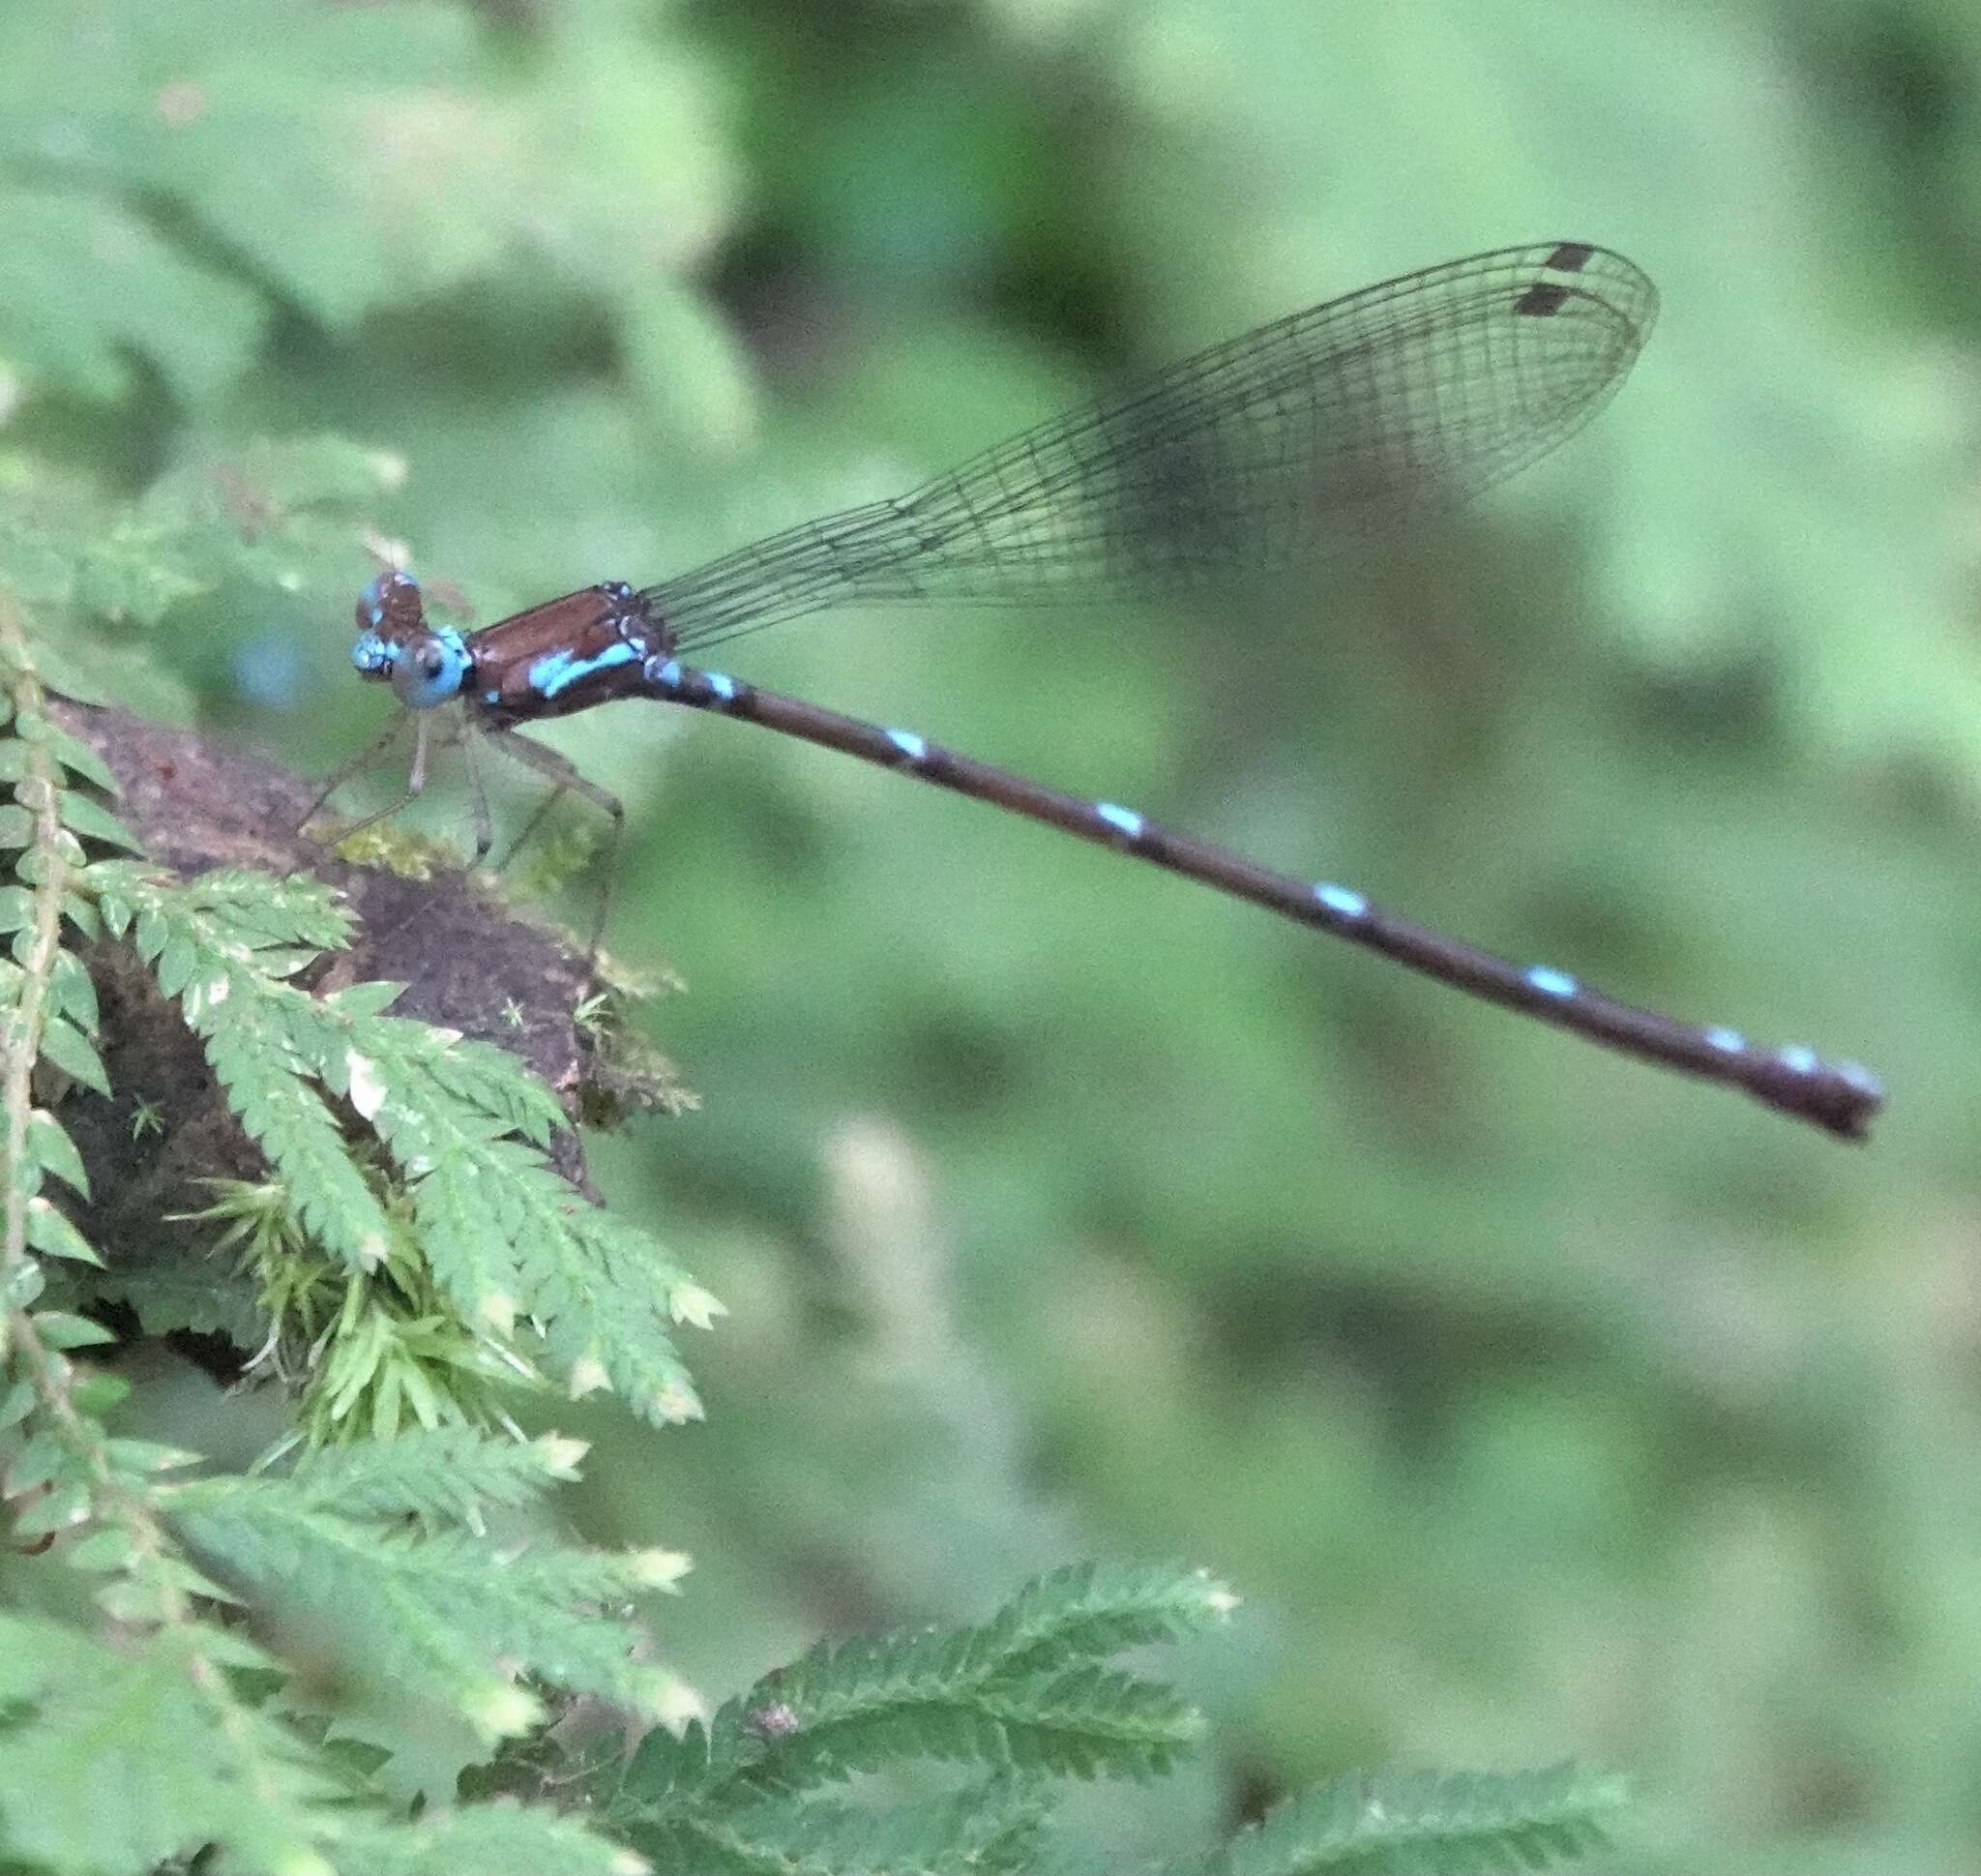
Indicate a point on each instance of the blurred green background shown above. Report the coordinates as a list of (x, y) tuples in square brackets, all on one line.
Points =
[(1539, 1404)]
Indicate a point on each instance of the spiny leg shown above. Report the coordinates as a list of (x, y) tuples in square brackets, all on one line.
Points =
[(555, 769), (344, 771), (538, 816), (416, 781), (478, 798)]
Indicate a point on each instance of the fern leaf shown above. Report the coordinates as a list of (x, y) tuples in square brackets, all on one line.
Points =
[(1091, 1724), (71, 1051), (516, 1839), (449, 1473), (119, 1760), (445, 1613), (1089, 1611), (72, 752), (506, 1236), (981, 1829), (1027, 1691), (1466, 1824), (203, 941), (503, 1233), (91, 822)]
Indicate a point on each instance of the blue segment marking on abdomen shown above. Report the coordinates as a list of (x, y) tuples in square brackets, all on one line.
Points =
[(558, 670)]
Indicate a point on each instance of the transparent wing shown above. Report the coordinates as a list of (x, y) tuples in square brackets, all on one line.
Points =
[(1271, 449)]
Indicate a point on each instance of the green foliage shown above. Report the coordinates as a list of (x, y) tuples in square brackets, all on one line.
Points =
[(448, 1477), (993, 1825), (1024, 1693), (498, 1231), (1013, 1703), (1428, 1824), (115, 1760), (533, 1840), (1535, 1402), (442, 1614)]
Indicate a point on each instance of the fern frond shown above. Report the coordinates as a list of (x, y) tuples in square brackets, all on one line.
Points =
[(1089, 1611), (1442, 1824), (1090, 1723), (223, 954), (978, 1829), (119, 1759), (48, 1006), (443, 1614), (503, 1234), (516, 1839), (449, 1475), (506, 1236), (603, 1299), (1025, 1691)]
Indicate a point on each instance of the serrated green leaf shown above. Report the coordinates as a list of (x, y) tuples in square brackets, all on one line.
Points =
[(148, 1456), (93, 821), (61, 1331), (117, 1759), (151, 931), (367, 998), (53, 1235), (42, 1459), (71, 1051), (24, 1179), (136, 1600), (98, 1391), (108, 1548), (1457, 1821), (443, 1613), (72, 753), (73, 992), (48, 1143), (20, 1285), (59, 1509), (450, 1473), (176, 963), (83, 914)]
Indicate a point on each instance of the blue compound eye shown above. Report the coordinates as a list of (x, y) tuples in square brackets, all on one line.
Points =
[(430, 670)]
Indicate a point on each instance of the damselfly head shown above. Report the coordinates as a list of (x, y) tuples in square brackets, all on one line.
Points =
[(426, 665)]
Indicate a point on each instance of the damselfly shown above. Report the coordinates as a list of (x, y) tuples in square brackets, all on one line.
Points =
[(1261, 453)]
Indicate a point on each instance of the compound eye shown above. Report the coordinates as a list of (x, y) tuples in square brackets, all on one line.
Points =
[(428, 673)]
